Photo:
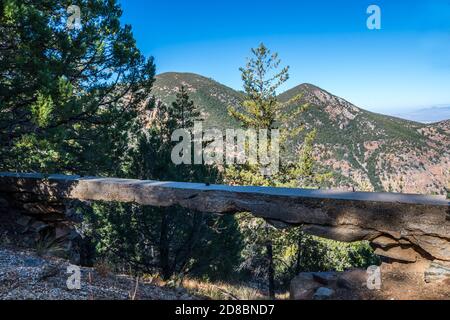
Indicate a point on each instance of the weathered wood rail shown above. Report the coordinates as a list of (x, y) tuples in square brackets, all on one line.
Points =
[(402, 226)]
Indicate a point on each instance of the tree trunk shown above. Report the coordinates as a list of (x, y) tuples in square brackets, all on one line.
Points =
[(164, 246), (271, 268), (299, 255), (185, 252)]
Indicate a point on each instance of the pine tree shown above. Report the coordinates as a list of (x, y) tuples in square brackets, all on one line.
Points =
[(262, 76), (70, 99), (182, 241), (185, 109)]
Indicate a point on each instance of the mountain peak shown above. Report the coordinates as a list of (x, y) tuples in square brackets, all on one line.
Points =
[(361, 148), (305, 89)]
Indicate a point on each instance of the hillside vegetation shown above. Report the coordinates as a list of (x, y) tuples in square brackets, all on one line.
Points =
[(364, 150)]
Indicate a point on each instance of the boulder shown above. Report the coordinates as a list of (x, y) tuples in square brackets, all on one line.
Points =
[(39, 226), (323, 293), (325, 278), (352, 279), (401, 253), (62, 232), (303, 286), (43, 208), (24, 221)]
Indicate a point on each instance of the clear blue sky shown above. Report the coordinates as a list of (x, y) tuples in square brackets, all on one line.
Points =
[(403, 66)]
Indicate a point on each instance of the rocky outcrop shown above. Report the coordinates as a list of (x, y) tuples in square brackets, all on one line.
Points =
[(327, 285), (47, 224), (390, 281), (402, 228)]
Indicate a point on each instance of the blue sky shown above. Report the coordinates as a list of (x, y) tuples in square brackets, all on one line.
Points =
[(403, 66)]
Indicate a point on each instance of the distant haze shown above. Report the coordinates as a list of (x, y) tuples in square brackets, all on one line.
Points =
[(426, 115)]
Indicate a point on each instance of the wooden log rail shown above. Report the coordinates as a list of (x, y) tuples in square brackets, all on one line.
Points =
[(391, 221)]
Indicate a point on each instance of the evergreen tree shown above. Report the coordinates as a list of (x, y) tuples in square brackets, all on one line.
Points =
[(174, 241), (262, 76), (185, 109), (70, 99)]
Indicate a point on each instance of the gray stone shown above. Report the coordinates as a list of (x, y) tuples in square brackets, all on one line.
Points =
[(32, 262), (352, 279), (323, 293), (62, 232), (303, 286), (325, 278), (43, 208)]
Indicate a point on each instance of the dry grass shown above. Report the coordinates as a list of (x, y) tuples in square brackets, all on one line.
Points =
[(226, 291), (214, 291)]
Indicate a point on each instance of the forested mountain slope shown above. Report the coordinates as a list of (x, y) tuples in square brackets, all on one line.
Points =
[(365, 150)]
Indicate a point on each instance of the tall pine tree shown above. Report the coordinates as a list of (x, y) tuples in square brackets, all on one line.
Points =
[(262, 76)]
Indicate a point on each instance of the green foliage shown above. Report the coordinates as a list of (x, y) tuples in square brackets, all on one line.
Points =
[(41, 110), (185, 109), (262, 110), (74, 101), (131, 237), (342, 138), (69, 98), (173, 241), (210, 97), (270, 253)]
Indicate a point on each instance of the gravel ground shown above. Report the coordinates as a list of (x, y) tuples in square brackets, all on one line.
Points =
[(24, 275)]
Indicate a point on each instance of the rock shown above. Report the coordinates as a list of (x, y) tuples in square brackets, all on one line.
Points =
[(323, 293), (352, 279), (385, 242), (325, 278), (26, 276), (344, 216), (303, 286), (61, 232), (25, 197), (72, 215), (438, 247), (74, 235), (38, 226), (48, 271), (32, 262), (437, 272), (43, 208), (399, 253), (24, 221)]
